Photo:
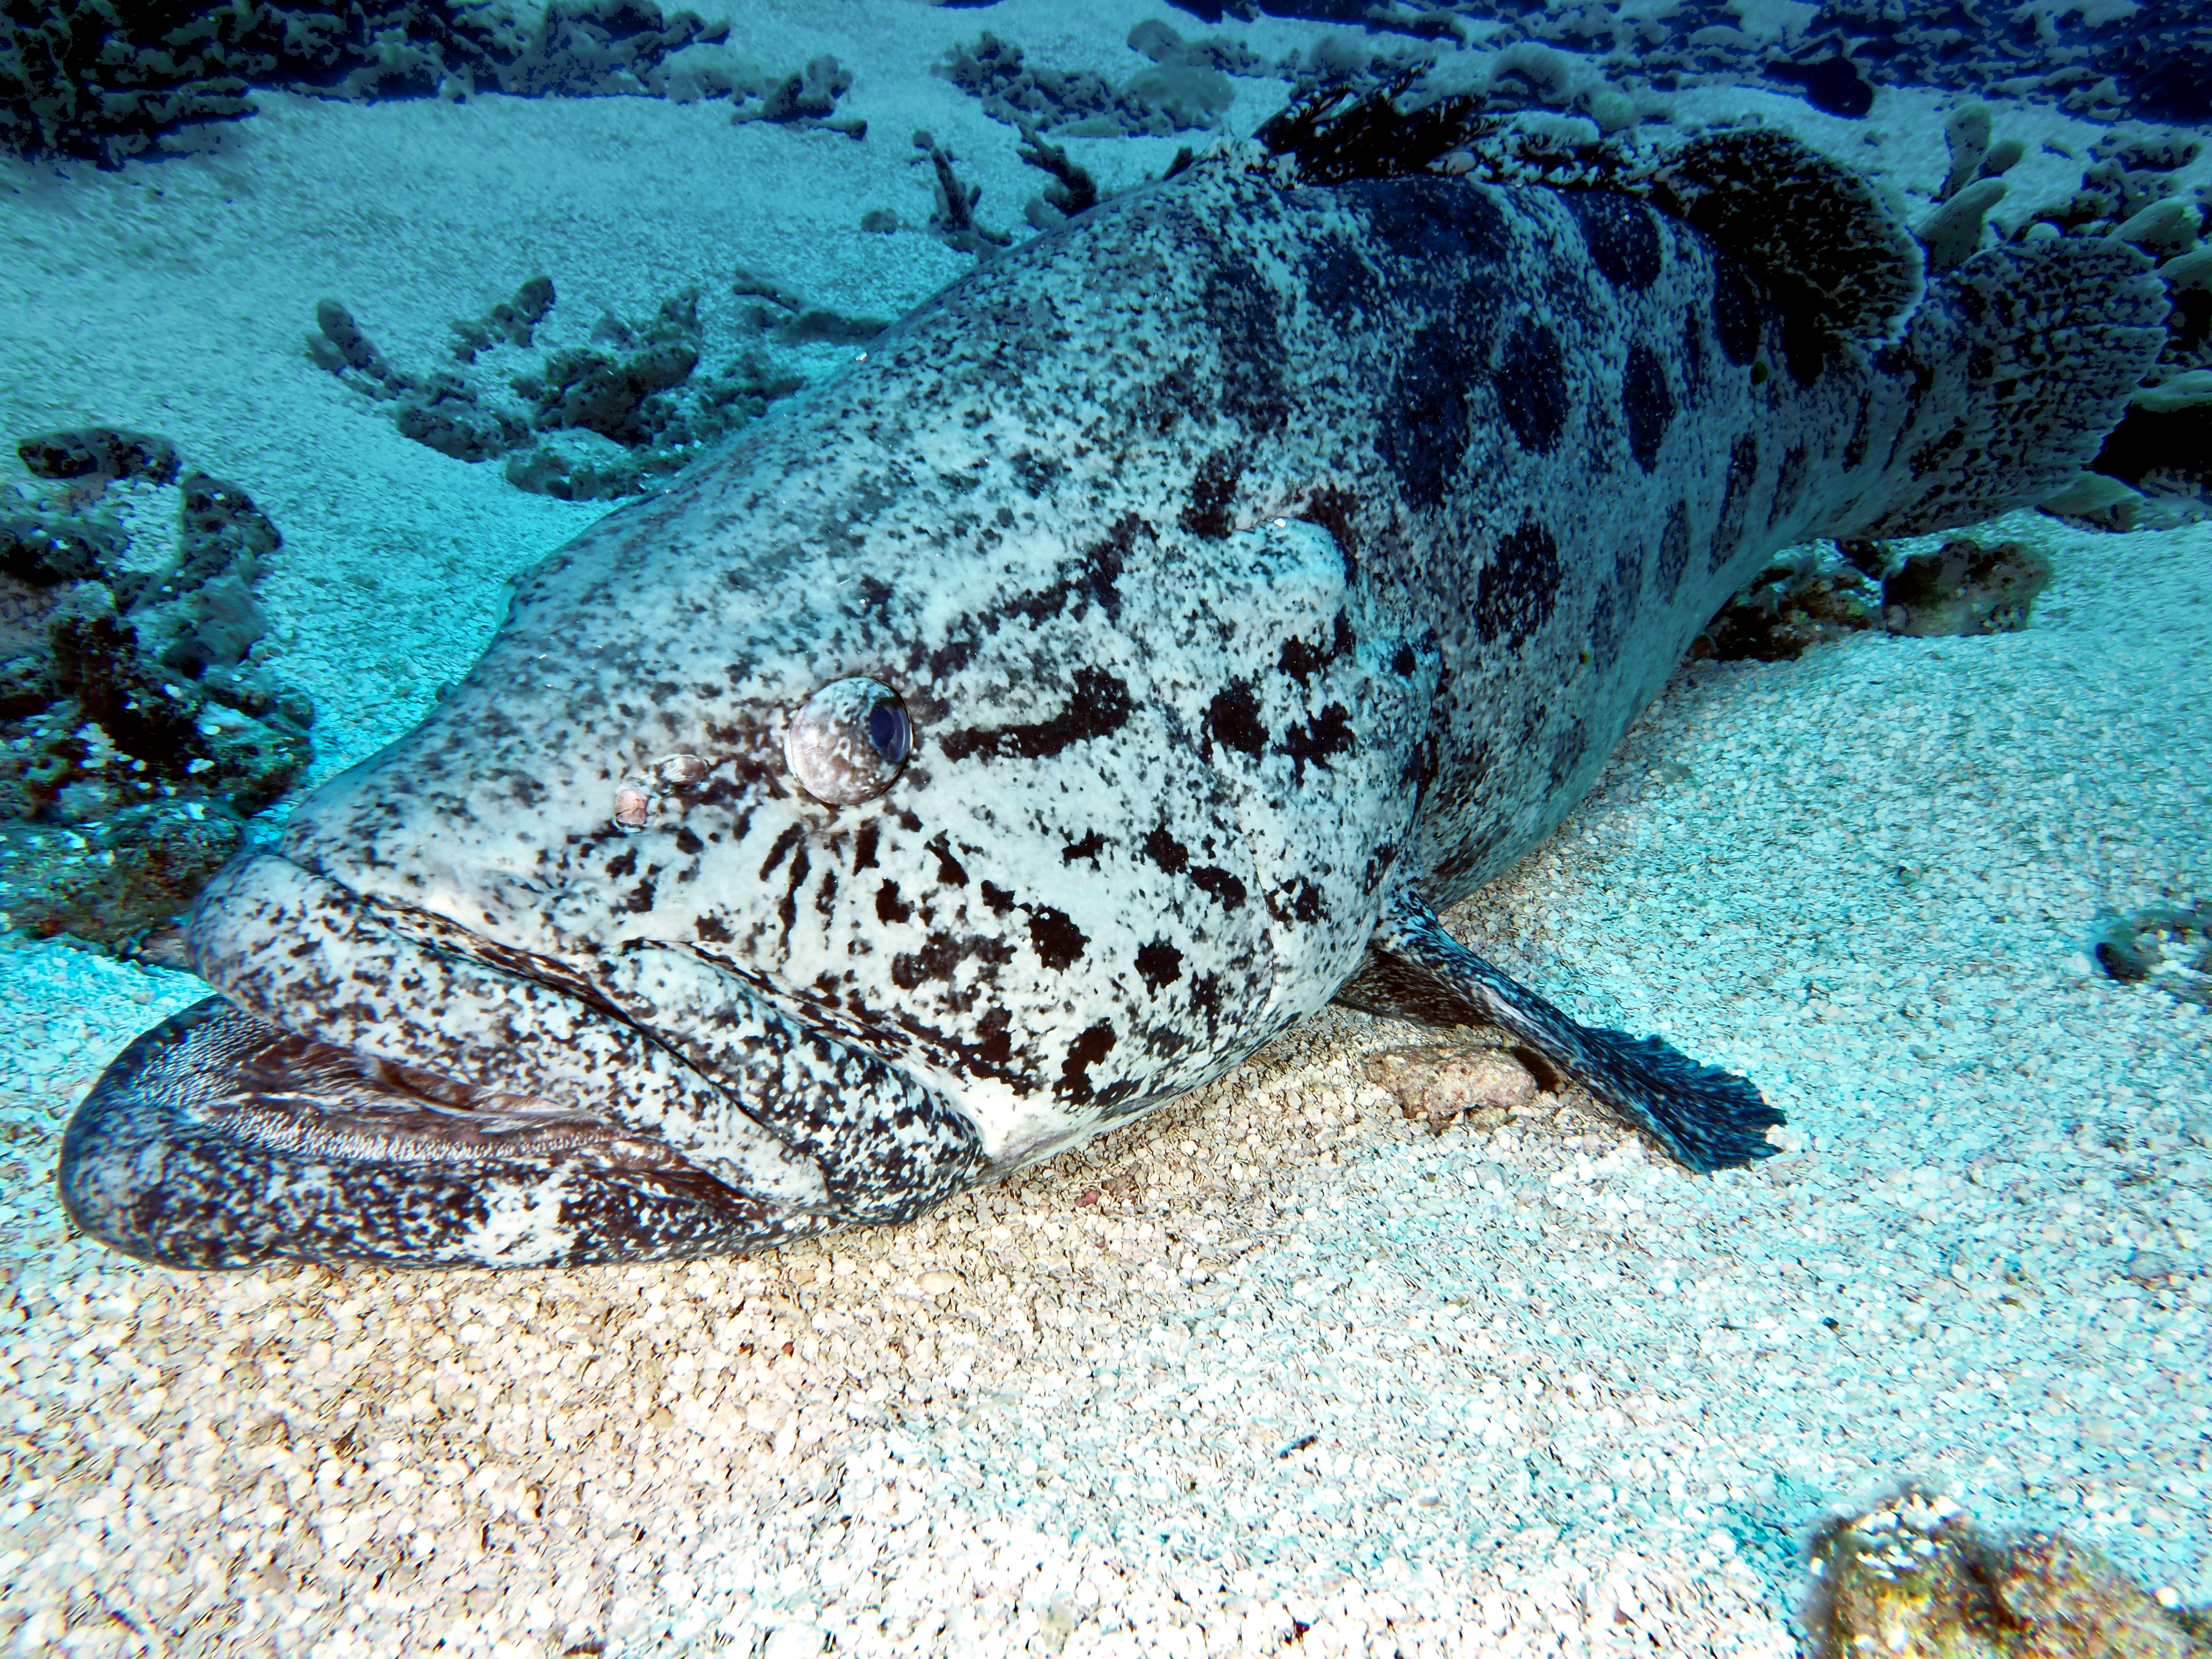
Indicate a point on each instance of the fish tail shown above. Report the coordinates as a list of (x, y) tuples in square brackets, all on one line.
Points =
[(2011, 372)]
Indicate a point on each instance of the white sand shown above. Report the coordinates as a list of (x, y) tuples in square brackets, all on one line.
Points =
[(1274, 1359)]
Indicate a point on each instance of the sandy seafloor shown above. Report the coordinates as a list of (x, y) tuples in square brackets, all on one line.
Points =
[(1273, 1369)]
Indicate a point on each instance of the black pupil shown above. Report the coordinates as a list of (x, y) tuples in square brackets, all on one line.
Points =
[(887, 731)]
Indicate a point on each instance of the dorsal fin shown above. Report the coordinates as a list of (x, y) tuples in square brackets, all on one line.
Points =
[(1841, 265), (1336, 135)]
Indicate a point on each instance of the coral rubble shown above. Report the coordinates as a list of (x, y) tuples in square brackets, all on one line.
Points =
[(140, 722)]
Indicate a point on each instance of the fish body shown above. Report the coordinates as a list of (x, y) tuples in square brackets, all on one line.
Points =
[(1228, 576)]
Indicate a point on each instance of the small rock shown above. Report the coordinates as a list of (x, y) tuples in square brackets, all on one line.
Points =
[(1435, 1084)]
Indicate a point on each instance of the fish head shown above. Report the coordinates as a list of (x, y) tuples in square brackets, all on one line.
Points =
[(842, 849)]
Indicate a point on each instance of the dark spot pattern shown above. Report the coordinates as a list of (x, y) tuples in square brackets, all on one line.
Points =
[(1736, 311), (1086, 1051), (1646, 403), (1165, 850), (1097, 704), (1232, 719), (1159, 964), (1624, 242), (997, 897), (1433, 225), (1337, 279), (1735, 500), (1516, 593), (1789, 483), (1055, 938), (1531, 382), (1218, 884), (1329, 732), (1090, 847), (1673, 549), (1211, 512), (1240, 305), (1425, 426), (1302, 661), (1300, 900), (889, 907), (948, 871)]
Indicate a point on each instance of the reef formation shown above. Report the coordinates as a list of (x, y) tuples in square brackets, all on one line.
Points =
[(104, 81), (140, 722), (598, 421), (1914, 1576)]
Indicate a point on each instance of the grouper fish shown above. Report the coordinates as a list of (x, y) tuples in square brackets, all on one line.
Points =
[(1128, 656)]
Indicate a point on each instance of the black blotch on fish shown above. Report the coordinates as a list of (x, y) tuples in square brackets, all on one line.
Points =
[(996, 896), (1233, 719), (1240, 307), (712, 930), (1300, 900), (1212, 497), (1736, 311), (1568, 751), (1789, 482), (1673, 549), (1099, 703), (1218, 884), (1624, 242), (1518, 588), (777, 848), (1531, 382), (1057, 939), (1432, 225), (1160, 964), (1301, 661), (889, 907), (1165, 850), (1646, 403), (948, 871), (1086, 1051), (1329, 732), (863, 846), (1333, 510), (1735, 501), (1337, 279), (1425, 426), (1090, 847)]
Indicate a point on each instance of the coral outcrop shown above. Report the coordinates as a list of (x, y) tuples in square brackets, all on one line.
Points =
[(643, 399), (140, 723), (103, 80), (1912, 1576), (1824, 591)]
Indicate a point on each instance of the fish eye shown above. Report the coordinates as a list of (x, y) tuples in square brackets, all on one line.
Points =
[(848, 741)]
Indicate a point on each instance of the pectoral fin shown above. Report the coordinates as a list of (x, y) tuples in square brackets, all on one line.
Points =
[(1708, 1118)]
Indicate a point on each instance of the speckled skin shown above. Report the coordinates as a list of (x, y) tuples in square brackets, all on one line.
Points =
[(1245, 554)]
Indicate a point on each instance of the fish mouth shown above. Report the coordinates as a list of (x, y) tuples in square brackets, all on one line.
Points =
[(377, 1084)]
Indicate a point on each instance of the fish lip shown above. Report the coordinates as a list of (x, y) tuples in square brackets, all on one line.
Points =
[(348, 972)]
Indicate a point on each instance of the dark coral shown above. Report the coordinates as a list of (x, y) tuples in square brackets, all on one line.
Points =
[(1187, 86), (638, 384), (807, 99), (953, 219), (1815, 596), (2153, 60), (140, 727), (103, 80)]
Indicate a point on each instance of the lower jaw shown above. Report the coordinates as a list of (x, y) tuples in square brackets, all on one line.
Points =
[(218, 1140)]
